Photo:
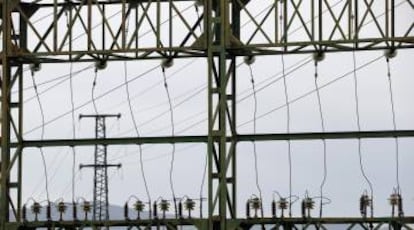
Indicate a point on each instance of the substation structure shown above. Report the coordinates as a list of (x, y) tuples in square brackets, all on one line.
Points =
[(220, 40)]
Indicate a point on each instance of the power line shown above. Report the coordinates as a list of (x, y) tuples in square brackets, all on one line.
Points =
[(72, 103), (256, 167), (298, 65), (189, 8), (357, 113), (203, 180), (322, 120), (394, 124), (173, 144), (138, 134), (288, 131), (167, 111), (156, 84), (368, 22), (96, 98), (42, 136), (311, 91), (62, 79)]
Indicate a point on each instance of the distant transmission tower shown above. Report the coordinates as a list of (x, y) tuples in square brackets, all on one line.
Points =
[(100, 166)]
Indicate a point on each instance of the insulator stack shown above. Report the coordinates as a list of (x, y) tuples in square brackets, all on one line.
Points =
[(86, 208), (189, 205), (167, 63), (283, 205), (126, 211), (164, 207), (400, 207), (24, 213), (249, 60), (48, 212), (74, 211), (139, 207), (396, 203), (274, 209), (248, 209), (364, 202), (180, 209), (101, 64), (36, 208), (35, 67), (307, 205), (61, 207), (255, 204), (154, 209)]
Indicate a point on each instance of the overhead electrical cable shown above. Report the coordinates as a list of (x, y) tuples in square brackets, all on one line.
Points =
[(284, 73), (173, 144), (138, 135), (290, 102), (322, 120), (156, 84), (288, 119), (358, 120), (256, 167), (148, 32), (37, 189), (203, 181), (72, 103), (310, 92), (62, 79), (42, 137), (40, 83), (394, 124), (289, 144), (167, 111), (96, 98)]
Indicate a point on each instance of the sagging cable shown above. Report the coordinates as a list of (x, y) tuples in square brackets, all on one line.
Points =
[(394, 124), (358, 119), (249, 61), (42, 137), (72, 102), (287, 103), (166, 65), (144, 178), (318, 58)]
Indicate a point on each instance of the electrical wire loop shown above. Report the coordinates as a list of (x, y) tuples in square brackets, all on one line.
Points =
[(322, 121), (42, 154), (256, 167), (172, 134)]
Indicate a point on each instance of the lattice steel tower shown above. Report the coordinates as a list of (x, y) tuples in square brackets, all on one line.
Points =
[(100, 166)]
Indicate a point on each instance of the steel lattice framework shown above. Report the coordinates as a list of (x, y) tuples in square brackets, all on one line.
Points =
[(70, 34)]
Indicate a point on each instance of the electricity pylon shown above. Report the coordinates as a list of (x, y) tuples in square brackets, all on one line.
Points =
[(100, 166)]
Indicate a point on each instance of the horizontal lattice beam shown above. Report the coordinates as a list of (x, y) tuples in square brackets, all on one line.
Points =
[(204, 139), (121, 30)]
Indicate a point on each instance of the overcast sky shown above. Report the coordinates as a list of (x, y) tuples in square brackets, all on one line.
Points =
[(187, 80)]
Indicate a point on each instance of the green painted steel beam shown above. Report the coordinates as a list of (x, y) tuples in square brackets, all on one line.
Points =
[(326, 135), (204, 139)]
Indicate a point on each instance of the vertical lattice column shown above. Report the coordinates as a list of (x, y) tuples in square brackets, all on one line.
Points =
[(221, 110)]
